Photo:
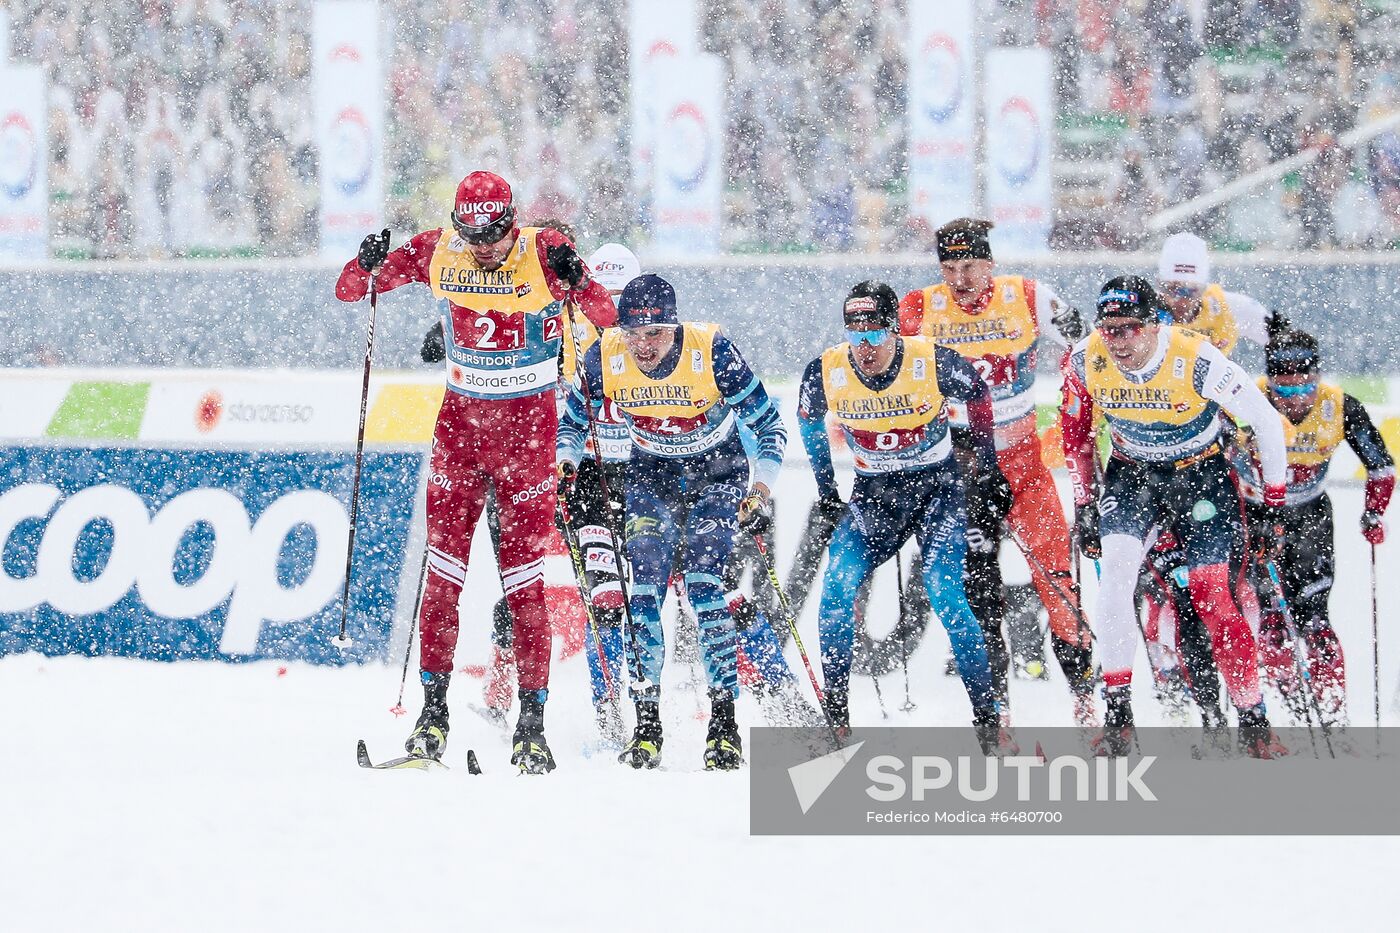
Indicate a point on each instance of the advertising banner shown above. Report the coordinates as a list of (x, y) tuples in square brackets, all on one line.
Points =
[(688, 174), (941, 107), (1020, 117), (349, 105), (173, 555), (657, 33), (24, 178)]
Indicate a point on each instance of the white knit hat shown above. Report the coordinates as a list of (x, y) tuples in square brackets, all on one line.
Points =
[(614, 265), (1184, 258)]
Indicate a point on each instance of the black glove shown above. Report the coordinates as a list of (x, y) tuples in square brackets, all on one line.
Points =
[(993, 489), (1265, 530), (434, 348), (1276, 324), (565, 262), (1086, 530), (374, 249), (830, 507), (1069, 322)]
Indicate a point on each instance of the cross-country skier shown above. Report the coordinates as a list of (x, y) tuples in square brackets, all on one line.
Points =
[(1176, 640), (1194, 302), (595, 515), (681, 388), (1161, 389), (995, 322), (500, 288), (1321, 416), (890, 395)]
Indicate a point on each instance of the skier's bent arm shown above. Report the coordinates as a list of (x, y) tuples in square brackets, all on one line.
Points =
[(958, 380), (1077, 434), (1226, 383), (811, 424), (744, 393), (1058, 319), (1363, 438), (573, 423), (408, 263)]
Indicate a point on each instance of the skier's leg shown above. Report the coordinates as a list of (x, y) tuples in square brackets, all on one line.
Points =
[(1310, 560), (521, 456), (865, 536), (982, 586), (652, 537), (1212, 531), (589, 513), (943, 547), (710, 527), (1037, 518), (454, 504)]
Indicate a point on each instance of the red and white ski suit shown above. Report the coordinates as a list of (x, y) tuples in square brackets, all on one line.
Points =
[(496, 428)]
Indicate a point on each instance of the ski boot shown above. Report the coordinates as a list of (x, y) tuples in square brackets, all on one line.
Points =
[(994, 740), (1257, 739), (530, 752), (644, 750), (836, 705), (1119, 732), (429, 736), (723, 748)]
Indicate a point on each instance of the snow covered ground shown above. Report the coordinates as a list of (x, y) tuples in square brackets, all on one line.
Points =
[(153, 797)]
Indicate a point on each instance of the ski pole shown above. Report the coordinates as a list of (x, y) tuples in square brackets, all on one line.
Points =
[(576, 554), (1311, 706), (797, 638), (398, 709), (341, 640), (1375, 652), (909, 705)]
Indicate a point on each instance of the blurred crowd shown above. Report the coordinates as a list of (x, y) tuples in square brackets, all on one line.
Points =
[(183, 127)]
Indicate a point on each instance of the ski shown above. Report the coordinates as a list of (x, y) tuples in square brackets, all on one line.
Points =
[(410, 762)]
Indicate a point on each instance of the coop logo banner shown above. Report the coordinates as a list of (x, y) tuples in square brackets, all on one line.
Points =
[(912, 781), (687, 170), (941, 108), (1020, 119), (349, 101), (24, 186), (196, 554)]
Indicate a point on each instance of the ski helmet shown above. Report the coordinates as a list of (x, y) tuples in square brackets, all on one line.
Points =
[(871, 302), (485, 208)]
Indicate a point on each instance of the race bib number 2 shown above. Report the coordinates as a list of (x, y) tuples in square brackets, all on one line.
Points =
[(490, 330)]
